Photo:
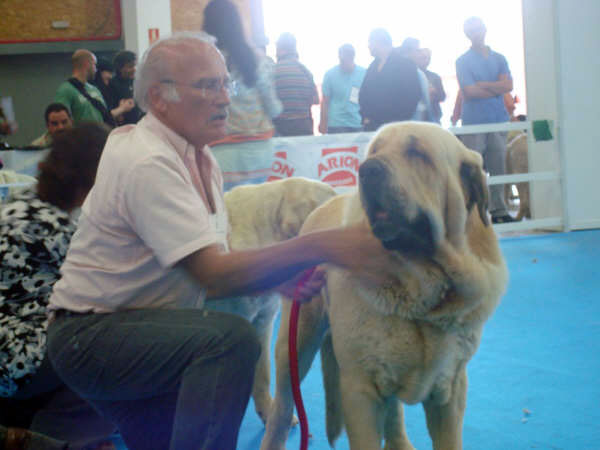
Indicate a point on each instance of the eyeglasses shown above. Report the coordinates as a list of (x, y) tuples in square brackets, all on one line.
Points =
[(210, 87)]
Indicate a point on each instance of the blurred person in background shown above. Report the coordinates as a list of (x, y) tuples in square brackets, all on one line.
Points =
[(253, 102), (391, 89), (121, 87), (484, 78), (436, 88), (340, 111), (295, 88), (58, 119)]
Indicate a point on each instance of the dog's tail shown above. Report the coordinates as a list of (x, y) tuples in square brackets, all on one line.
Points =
[(333, 395)]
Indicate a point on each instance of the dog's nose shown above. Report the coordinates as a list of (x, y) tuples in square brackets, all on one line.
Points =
[(371, 171)]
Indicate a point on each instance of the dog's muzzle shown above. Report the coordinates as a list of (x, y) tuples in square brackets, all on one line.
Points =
[(387, 210)]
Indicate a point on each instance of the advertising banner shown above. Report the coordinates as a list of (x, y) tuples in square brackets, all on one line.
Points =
[(333, 159)]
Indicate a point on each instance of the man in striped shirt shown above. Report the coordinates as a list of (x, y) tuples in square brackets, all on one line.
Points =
[(295, 88)]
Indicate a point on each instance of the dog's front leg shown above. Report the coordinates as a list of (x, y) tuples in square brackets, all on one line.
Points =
[(364, 413), (472, 277), (394, 431), (445, 418), (262, 376)]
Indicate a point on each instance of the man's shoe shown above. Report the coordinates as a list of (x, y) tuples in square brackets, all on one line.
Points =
[(506, 218)]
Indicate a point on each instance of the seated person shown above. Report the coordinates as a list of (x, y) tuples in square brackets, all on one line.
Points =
[(58, 118), (35, 230)]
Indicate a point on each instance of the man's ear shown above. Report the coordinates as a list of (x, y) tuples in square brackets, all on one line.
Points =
[(474, 187), (156, 100)]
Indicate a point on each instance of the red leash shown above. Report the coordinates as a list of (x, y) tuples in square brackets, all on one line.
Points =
[(293, 355)]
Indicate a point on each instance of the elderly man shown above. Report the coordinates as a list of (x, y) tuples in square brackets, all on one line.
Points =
[(484, 78), (84, 100), (58, 118), (340, 112), (127, 331)]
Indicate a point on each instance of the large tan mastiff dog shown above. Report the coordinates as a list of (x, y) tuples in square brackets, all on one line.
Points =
[(260, 215), (403, 330)]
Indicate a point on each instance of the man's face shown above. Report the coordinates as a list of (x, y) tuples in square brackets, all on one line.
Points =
[(346, 61), (475, 31), (373, 48), (106, 76), (91, 69), (423, 58), (58, 121), (201, 113), (128, 71)]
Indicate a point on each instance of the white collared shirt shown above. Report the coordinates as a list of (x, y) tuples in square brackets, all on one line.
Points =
[(144, 213)]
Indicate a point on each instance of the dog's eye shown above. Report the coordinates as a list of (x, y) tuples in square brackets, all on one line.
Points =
[(414, 153)]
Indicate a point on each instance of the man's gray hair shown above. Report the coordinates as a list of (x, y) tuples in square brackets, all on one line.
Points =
[(154, 67)]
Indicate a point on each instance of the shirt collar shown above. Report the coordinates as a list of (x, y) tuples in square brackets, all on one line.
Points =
[(180, 144)]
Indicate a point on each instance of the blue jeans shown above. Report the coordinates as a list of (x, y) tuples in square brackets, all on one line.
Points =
[(492, 147), (168, 378)]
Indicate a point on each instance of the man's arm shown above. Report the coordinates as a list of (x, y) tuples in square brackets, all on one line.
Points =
[(500, 87), (249, 271), (470, 87), (477, 91)]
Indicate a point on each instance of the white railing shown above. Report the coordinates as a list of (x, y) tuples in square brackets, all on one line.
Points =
[(544, 223), (26, 162)]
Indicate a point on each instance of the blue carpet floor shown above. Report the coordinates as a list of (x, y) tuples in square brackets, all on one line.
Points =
[(539, 354)]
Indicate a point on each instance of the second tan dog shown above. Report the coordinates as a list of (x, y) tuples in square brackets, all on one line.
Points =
[(260, 215), (403, 327), (517, 162)]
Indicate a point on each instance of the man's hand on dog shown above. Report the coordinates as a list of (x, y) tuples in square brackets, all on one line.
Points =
[(359, 251), (307, 290)]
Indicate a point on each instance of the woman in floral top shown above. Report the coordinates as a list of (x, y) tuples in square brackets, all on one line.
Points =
[(35, 230)]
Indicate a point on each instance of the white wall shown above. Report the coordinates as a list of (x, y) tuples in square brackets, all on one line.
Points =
[(563, 84), (541, 74), (579, 96), (141, 15)]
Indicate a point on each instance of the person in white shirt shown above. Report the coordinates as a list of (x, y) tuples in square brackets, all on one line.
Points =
[(127, 330)]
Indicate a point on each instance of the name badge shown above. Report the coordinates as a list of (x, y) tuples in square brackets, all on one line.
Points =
[(354, 94)]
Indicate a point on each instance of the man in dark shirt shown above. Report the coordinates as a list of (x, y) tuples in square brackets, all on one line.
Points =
[(390, 91), (121, 86), (436, 88)]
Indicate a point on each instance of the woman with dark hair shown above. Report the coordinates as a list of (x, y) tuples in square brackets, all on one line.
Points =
[(254, 102), (36, 226)]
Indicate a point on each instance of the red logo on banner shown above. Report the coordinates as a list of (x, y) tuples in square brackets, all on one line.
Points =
[(281, 168), (339, 166)]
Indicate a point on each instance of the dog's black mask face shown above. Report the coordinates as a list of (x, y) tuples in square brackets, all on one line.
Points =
[(386, 208)]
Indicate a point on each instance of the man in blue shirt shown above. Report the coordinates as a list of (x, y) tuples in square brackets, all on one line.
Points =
[(340, 111), (484, 78)]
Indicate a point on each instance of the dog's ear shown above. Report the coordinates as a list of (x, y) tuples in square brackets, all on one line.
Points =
[(475, 188)]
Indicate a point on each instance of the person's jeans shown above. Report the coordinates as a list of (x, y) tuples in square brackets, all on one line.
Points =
[(168, 378), (492, 146), (294, 127)]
